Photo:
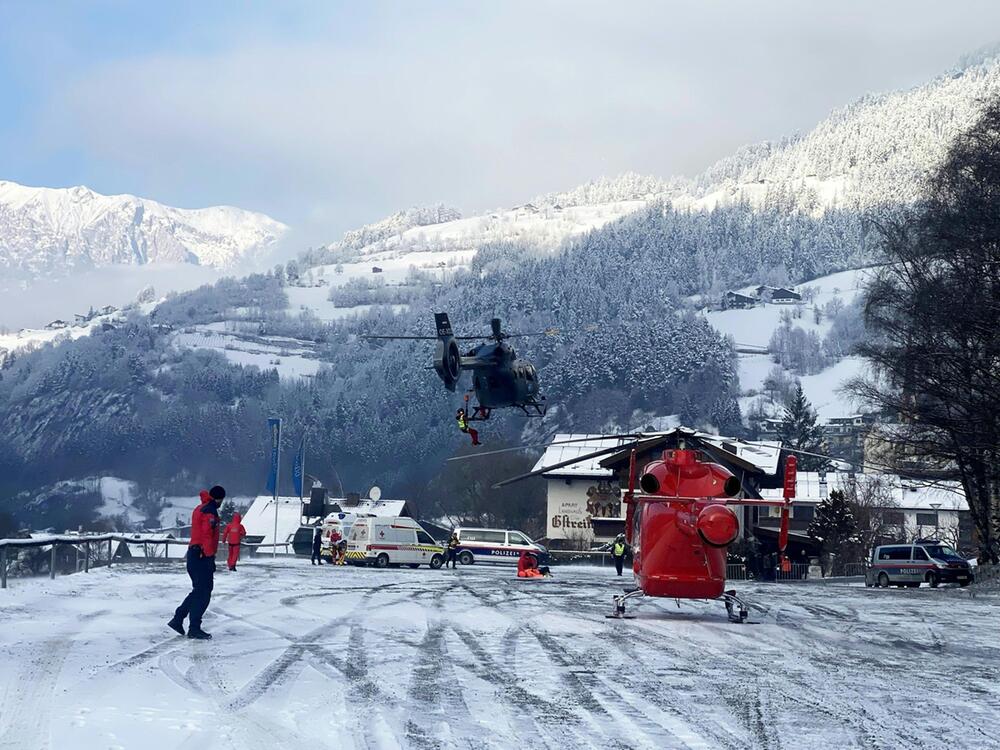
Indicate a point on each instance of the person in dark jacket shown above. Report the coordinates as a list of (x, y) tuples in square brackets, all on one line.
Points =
[(619, 548), (317, 549), (200, 564), (452, 551)]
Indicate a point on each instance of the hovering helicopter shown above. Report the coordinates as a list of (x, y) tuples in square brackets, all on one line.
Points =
[(680, 523), (500, 379)]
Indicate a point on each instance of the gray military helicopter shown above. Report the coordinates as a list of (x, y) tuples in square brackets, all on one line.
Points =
[(500, 379)]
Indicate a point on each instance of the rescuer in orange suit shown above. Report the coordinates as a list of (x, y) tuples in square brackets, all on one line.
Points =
[(527, 566), (233, 536)]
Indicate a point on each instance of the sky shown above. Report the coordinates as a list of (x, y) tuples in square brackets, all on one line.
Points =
[(329, 115)]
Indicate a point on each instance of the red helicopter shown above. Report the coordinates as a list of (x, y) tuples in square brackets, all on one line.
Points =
[(680, 523)]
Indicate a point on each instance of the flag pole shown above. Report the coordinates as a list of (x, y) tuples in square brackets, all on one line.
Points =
[(277, 474)]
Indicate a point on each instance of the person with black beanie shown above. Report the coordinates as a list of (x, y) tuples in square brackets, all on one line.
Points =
[(200, 564)]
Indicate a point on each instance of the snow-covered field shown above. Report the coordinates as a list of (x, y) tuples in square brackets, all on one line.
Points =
[(343, 658)]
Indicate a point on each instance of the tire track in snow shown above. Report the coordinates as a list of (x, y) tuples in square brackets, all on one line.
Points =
[(27, 703)]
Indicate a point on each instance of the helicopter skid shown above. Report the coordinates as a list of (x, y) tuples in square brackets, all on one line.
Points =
[(619, 604), (736, 608)]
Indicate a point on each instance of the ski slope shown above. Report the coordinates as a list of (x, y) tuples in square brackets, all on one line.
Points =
[(359, 658)]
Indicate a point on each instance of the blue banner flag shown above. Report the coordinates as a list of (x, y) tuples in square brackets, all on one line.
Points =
[(299, 466), (274, 428)]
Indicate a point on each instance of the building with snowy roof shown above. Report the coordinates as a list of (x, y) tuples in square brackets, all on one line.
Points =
[(908, 508)]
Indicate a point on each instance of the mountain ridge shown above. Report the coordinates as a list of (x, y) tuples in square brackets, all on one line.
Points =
[(52, 230)]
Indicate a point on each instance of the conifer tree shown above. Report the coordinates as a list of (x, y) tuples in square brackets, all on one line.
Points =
[(833, 526), (799, 431)]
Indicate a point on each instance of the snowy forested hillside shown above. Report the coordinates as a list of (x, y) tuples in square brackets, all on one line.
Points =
[(46, 230)]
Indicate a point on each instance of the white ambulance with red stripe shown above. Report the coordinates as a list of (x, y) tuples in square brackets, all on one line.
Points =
[(385, 541)]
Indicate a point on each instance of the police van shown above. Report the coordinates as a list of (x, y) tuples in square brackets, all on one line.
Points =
[(910, 565), (383, 541), (494, 545)]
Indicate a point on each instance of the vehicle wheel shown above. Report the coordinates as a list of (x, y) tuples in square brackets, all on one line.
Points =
[(436, 562), (414, 565), (382, 561), (932, 579), (466, 558), (883, 580)]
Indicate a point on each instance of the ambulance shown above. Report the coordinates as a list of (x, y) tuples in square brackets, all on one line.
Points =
[(384, 541)]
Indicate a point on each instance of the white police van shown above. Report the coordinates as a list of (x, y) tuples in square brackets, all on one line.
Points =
[(925, 561), (389, 540), (495, 545)]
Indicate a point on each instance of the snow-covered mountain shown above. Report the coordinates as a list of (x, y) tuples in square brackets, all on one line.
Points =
[(47, 230), (875, 151)]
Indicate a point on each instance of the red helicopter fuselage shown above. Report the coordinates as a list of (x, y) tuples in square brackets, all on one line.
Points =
[(680, 526)]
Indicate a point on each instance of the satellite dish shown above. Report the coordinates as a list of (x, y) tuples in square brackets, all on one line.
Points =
[(375, 493)]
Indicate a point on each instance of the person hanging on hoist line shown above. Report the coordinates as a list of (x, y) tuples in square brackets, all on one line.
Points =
[(463, 426)]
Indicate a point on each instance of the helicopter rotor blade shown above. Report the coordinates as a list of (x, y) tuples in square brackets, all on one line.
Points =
[(399, 338), (542, 445), (561, 464)]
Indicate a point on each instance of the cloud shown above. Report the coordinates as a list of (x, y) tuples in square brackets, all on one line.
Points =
[(480, 105)]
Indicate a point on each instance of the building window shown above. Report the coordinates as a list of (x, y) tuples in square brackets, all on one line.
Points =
[(894, 517), (803, 512), (927, 519)]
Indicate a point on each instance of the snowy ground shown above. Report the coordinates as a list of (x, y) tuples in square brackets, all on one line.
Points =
[(334, 657)]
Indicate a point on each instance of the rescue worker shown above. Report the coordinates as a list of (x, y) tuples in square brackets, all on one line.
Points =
[(317, 547), (233, 536), (619, 548), (527, 566), (452, 551), (463, 426), (200, 564), (342, 552)]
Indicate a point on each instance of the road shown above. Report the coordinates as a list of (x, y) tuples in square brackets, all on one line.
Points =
[(475, 658)]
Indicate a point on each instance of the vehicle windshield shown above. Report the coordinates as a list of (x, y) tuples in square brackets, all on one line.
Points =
[(942, 552)]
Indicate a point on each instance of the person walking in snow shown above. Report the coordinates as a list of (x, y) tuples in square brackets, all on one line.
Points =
[(619, 548), (200, 564), (233, 536), (317, 548)]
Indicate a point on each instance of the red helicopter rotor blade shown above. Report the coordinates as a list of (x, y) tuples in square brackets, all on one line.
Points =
[(630, 498), (791, 464)]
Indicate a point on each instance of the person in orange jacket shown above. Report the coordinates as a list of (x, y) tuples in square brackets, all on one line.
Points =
[(200, 564), (233, 536), (527, 566)]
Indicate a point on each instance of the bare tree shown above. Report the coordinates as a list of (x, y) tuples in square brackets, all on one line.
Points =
[(873, 501), (932, 313)]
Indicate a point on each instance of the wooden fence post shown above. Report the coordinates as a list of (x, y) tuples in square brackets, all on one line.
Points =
[(86, 557), (3, 567), (109, 553), (52, 562)]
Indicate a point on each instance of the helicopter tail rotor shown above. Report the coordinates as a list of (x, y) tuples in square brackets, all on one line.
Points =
[(447, 358)]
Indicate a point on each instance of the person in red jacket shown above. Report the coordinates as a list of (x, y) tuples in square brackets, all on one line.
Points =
[(233, 536), (200, 564)]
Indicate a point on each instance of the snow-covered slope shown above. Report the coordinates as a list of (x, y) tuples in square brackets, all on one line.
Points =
[(51, 230), (877, 150)]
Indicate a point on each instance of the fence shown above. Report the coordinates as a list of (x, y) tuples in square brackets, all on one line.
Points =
[(96, 550)]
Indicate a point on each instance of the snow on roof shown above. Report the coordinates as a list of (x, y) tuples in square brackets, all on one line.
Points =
[(764, 454), (259, 518), (377, 507), (905, 494), (555, 454)]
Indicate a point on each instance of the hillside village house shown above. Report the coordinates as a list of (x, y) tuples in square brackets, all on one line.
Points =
[(738, 301)]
